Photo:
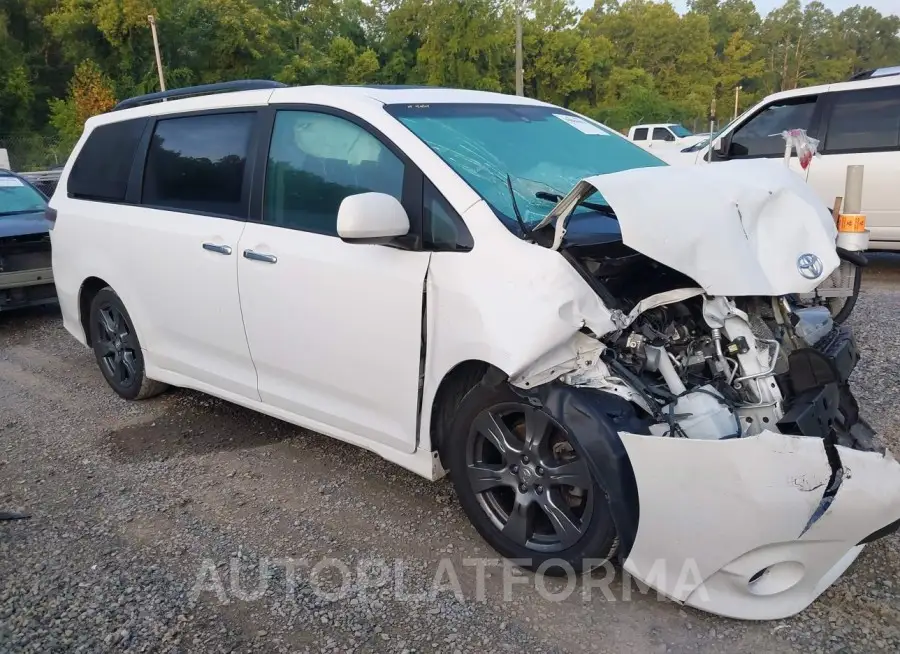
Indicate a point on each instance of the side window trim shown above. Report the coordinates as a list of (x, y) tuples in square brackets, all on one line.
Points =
[(412, 175), (465, 235), (136, 179)]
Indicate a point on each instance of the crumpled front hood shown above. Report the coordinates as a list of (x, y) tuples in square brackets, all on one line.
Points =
[(737, 228)]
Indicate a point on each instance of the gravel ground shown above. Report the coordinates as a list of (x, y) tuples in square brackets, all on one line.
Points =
[(152, 521)]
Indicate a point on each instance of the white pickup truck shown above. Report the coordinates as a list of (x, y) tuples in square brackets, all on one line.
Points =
[(656, 135)]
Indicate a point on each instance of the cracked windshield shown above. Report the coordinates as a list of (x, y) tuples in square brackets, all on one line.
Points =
[(544, 151)]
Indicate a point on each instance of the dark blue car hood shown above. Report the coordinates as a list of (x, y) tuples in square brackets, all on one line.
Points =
[(24, 224)]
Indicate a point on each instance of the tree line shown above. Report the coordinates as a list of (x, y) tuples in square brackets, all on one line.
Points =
[(622, 62)]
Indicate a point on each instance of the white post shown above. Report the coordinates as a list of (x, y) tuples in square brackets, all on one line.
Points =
[(159, 68), (852, 232), (853, 188), (712, 128)]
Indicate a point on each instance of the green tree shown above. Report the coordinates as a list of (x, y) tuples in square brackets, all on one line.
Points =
[(621, 60), (90, 94)]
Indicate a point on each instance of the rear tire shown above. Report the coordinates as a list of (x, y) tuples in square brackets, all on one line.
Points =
[(117, 348), (524, 486)]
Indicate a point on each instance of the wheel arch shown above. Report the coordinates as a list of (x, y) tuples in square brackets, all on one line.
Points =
[(453, 387), (86, 294)]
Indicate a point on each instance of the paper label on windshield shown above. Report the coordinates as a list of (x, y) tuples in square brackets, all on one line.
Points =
[(10, 181), (581, 125)]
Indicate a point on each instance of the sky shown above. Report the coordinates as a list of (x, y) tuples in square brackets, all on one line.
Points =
[(765, 6)]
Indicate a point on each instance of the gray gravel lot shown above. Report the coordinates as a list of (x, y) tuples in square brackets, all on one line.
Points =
[(133, 503)]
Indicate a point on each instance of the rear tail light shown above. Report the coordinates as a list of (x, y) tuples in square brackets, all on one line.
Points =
[(50, 215)]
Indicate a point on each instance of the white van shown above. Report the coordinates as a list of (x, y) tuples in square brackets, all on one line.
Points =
[(856, 122), (481, 283)]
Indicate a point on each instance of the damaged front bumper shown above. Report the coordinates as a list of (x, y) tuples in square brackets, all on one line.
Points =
[(735, 528)]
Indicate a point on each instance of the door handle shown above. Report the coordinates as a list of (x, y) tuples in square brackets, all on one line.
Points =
[(221, 249), (259, 256)]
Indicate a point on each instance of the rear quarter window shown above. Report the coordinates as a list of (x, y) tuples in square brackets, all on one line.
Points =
[(101, 170)]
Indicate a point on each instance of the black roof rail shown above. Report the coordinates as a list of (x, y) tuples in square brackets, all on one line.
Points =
[(886, 71), (203, 89)]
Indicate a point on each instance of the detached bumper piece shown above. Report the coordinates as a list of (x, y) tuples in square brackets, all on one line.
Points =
[(740, 527)]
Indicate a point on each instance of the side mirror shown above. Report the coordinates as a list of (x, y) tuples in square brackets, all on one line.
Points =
[(371, 218), (719, 145)]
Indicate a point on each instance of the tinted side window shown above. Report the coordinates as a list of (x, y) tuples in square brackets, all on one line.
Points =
[(444, 228), (101, 170), (315, 161), (640, 134), (197, 163), (864, 120), (662, 134), (761, 135)]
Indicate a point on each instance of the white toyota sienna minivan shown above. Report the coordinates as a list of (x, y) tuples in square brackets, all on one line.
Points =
[(481, 284)]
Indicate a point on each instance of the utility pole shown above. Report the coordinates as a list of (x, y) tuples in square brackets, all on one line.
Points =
[(520, 77), (712, 128), (737, 92), (159, 68)]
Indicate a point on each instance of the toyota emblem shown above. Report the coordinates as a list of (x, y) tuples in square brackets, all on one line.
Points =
[(809, 265)]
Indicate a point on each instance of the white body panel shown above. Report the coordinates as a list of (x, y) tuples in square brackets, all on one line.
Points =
[(179, 295), (335, 330), (535, 303), (881, 190)]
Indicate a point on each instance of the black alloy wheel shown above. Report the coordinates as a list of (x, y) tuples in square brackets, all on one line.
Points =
[(117, 346), (117, 349), (524, 485), (527, 478)]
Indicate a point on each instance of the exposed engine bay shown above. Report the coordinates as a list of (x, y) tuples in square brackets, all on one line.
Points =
[(712, 367)]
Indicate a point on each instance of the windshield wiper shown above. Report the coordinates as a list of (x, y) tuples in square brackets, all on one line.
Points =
[(525, 231), (605, 209)]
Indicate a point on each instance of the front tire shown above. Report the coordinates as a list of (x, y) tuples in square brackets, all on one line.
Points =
[(524, 486), (117, 349)]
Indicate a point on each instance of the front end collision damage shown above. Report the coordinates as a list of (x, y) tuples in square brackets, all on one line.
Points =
[(754, 527), (750, 528), (762, 520), (747, 510)]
